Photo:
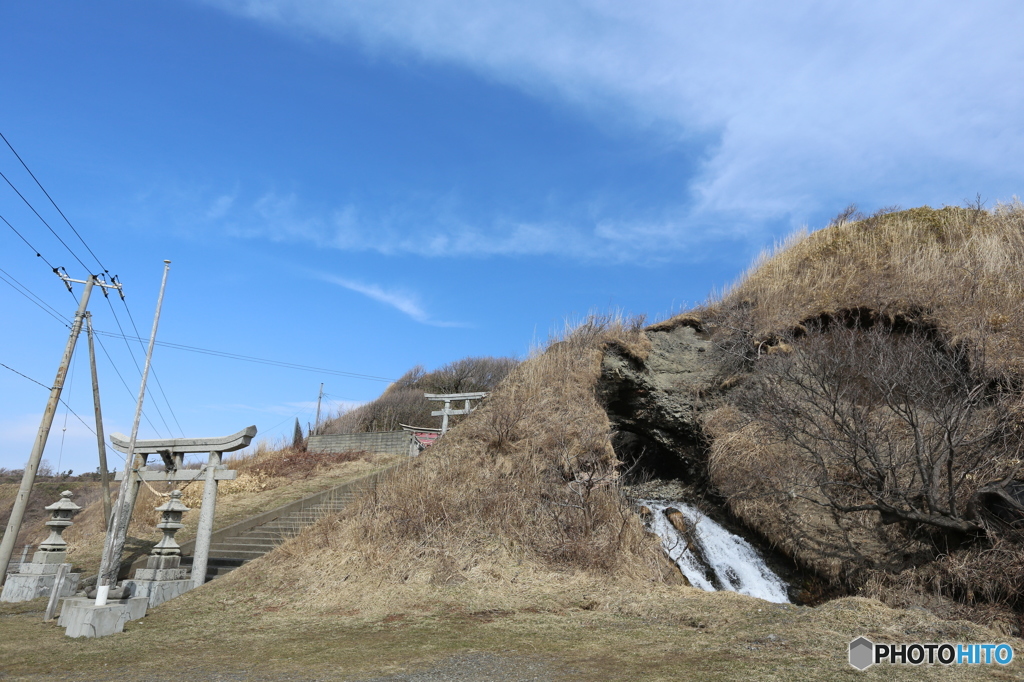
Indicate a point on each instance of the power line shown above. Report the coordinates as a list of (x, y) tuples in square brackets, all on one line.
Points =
[(54, 313), (25, 166), (93, 254), (39, 255), (48, 388), (153, 370), (27, 293), (136, 363), (263, 361), (123, 382), (43, 220), (63, 402)]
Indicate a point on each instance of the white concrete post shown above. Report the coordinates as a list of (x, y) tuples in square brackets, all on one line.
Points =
[(201, 554)]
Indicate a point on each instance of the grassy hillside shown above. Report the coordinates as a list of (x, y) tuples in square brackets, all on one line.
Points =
[(870, 419), (506, 549), (524, 491)]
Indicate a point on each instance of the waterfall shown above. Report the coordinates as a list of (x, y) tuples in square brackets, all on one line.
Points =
[(711, 557)]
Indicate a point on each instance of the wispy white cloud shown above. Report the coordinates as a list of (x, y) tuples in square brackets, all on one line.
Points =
[(426, 231), (403, 302), (812, 104)]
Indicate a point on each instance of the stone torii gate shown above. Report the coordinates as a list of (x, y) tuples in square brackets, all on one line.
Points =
[(173, 451), (447, 399)]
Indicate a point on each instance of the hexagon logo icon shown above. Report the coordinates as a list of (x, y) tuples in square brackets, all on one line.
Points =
[(862, 653)]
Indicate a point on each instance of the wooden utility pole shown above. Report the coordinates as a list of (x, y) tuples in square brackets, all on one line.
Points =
[(104, 476), (28, 478), (316, 426), (110, 564)]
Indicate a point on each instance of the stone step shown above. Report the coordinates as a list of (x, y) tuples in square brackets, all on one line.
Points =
[(269, 543), (234, 551), (227, 550), (312, 513), (213, 562), (282, 529), (235, 554), (301, 517), (266, 535)]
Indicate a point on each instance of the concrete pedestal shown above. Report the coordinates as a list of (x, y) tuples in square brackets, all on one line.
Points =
[(83, 618), (95, 621), (36, 580), (162, 579), (158, 591)]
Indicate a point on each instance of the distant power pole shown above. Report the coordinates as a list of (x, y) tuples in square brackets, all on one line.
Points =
[(28, 478), (320, 397)]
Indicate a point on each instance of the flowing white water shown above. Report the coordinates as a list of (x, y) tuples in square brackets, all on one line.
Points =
[(711, 557)]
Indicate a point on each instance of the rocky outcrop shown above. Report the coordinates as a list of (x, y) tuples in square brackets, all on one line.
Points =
[(654, 403)]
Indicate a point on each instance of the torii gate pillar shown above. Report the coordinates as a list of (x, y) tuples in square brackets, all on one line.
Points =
[(172, 450)]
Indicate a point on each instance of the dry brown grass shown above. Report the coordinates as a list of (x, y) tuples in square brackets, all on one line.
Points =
[(956, 269), (523, 492), (954, 276)]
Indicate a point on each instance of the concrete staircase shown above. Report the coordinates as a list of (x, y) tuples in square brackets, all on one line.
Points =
[(250, 539)]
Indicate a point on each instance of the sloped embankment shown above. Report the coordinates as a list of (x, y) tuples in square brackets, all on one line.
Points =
[(856, 399), (521, 497)]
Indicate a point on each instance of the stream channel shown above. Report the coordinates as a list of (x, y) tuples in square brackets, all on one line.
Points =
[(710, 556)]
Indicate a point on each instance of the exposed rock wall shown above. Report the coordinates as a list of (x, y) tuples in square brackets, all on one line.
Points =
[(654, 405)]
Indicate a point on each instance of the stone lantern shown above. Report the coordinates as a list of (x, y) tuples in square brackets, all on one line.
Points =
[(54, 548), (170, 522), (163, 577), (38, 578)]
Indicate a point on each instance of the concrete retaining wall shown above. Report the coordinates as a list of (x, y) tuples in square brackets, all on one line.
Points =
[(391, 442)]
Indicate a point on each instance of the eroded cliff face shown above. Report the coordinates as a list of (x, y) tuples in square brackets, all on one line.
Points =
[(655, 407), (654, 404)]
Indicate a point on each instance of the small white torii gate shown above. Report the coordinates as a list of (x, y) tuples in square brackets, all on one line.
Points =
[(172, 451), (447, 411)]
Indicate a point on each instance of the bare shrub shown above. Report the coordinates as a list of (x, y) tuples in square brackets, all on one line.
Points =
[(878, 421), (403, 402)]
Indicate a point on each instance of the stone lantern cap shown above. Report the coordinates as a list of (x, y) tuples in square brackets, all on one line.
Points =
[(174, 504), (64, 504)]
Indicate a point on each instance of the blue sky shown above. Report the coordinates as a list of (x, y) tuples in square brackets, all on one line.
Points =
[(365, 186)]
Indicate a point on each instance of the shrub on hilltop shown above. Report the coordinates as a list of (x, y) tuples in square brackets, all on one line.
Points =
[(403, 403), (871, 420)]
